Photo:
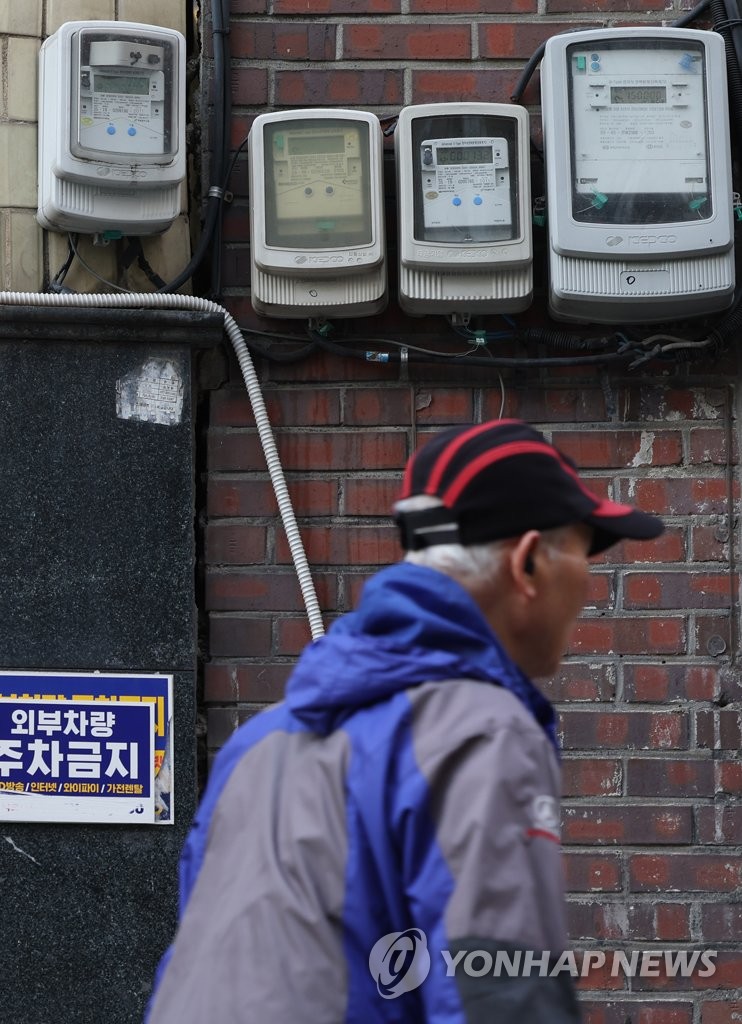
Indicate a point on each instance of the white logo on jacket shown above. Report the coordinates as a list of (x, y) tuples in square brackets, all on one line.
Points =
[(544, 815)]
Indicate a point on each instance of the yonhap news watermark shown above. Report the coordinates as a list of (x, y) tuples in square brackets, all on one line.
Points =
[(401, 961)]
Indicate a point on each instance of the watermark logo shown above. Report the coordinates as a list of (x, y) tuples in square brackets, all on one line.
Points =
[(399, 962)]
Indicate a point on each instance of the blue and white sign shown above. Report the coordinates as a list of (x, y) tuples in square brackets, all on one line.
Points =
[(77, 761)]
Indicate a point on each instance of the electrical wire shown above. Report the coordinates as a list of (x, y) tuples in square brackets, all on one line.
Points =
[(93, 273)]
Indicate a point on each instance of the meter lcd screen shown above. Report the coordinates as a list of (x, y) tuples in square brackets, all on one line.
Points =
[(638, 94), (464, 170), (639, 131), (464, 155), (124, 85), (317, 183)]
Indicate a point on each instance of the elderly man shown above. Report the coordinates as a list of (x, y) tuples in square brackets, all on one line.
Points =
[(383, 845)]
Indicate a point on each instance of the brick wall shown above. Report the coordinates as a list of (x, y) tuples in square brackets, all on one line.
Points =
[(649, 695)]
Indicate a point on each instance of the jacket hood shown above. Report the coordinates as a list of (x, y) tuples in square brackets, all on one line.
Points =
[(412, 625)]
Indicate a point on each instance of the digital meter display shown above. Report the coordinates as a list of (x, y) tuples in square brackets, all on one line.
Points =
[(300, 145), (317, 183), (639, 131), (124, 85), (466, 189), (638, 94), (464, 155)]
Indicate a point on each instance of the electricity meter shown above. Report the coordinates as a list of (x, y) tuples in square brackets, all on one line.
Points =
[(464, 196), (111, 127), (317, 229), (639, 184)]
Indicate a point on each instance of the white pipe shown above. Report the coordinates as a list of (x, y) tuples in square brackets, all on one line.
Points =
[(160, 300)]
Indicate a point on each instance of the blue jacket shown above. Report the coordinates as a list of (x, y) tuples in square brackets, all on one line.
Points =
[(394, 820)]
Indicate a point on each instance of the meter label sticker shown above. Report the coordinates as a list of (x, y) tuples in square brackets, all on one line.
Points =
[(153, 393)]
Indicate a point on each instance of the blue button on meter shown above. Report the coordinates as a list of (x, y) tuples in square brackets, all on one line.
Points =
[(456, 201), (478, 200), (111, 130)]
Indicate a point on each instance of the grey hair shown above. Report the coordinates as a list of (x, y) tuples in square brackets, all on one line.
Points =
[(465, 563), (471, 562)]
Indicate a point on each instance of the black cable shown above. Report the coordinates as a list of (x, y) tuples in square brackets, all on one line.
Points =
[(492, 361), (216, 192), (57, 282), (538, 54)]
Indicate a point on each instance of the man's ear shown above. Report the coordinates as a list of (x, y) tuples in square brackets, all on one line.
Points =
[(522, 563)]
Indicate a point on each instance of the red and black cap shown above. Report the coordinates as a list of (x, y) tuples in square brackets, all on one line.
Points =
[(500, 479)]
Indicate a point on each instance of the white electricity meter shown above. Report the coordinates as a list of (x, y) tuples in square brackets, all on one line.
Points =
[(316, 227), (639, 182), (464, 195), (111, 127)]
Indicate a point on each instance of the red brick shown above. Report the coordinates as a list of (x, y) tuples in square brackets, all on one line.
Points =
[(721, 922), (220, 724), (613, 825), (344, 88), (473, 6), (729, 778), (719, 825), (719, 729), (672, 922), (242, 450), (451, 86), (282, 41), (636, 1013), (235, 544), (728, 971), (375, 407), (663, 402), (247, 496), (576, 681), (681, 497), (629, 636), (680, 777), (601, 590), (248, 7), (514, 39), (625, 730), (259, 683), (712, 636), (709, 445), (718, 1012), (590, 872), (239, 636), (684, 872), (249, 86), (710, 543), (669, 547), (346, 545), (536, 405), (292, 635), (598, 449), (289, 407), (264, 591), (370, 496), (663, 683), (593, 6), (444, 406), (592, 776), (677, 590), (417, 41), (610, 920), (321, 7)]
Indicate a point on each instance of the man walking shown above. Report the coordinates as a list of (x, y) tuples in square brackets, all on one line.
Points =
[(400, 809)]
